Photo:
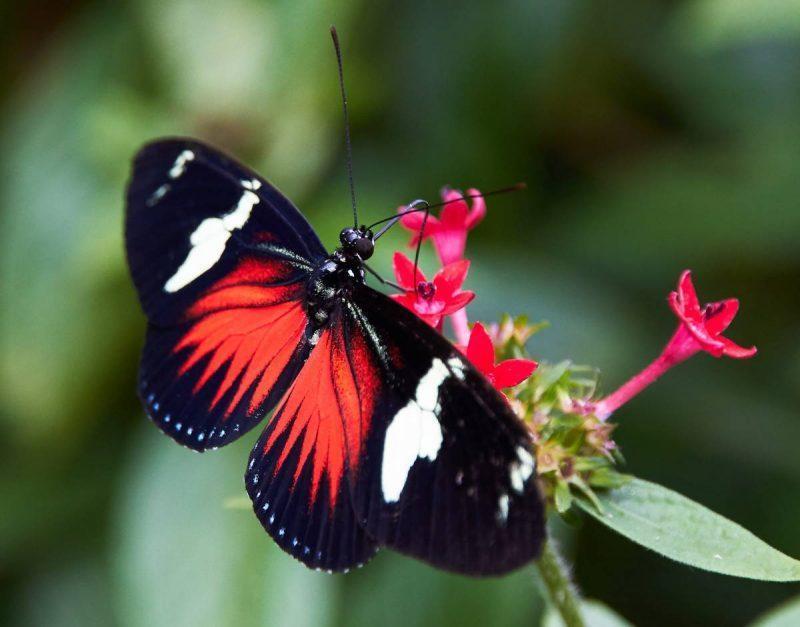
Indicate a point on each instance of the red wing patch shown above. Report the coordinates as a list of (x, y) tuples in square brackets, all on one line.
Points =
[(225, 361), (297, 471), (247, 326), (326, 412)]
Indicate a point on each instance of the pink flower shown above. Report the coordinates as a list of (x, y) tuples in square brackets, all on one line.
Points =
[(449, 230), (506, 374), (432, 300), (699, 329), (706, 324)]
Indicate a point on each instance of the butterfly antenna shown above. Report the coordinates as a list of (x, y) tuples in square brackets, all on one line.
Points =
[(415, 209), (427, 210), (348, 148)]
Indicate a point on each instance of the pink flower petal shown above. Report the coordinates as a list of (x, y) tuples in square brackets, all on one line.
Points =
[(450, 244), (406, 300), (480, 350), (404, 272), (449, 279), (687, 293), (457, 301), (512, 372), (454, 214), (732, 349), (434, 307), (720, 315), (478, 211), (710, 343), (413, 219), (413, 222), (450, 195)]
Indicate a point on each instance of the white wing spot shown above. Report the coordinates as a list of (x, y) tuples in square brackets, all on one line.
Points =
[(457, 367), (252, 184), (520, 470), (179, 167), (502, 508), (208, 242), (158, 195), (414, 432)]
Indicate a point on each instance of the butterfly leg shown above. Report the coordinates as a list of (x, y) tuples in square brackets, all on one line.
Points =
[(427, 210), (382, 280)]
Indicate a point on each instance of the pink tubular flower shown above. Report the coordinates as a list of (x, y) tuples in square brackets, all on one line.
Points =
[(449, 230), (432, 300), (506, 374), (700, 329), (706, 324)]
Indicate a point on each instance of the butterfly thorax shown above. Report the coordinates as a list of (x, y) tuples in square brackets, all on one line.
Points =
[(332, 280)]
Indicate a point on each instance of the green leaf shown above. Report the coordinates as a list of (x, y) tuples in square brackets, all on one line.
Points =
[(785, 615), (685, 531), (595, 614), (608, 478), (563, 497)]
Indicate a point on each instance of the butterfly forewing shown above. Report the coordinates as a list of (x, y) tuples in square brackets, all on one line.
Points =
[(193, 214), (220, 259)]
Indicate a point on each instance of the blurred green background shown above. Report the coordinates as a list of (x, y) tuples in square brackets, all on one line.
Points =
[(653, 136)]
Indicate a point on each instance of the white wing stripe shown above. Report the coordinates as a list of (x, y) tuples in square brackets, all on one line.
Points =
[(208, 242), (414, 432)]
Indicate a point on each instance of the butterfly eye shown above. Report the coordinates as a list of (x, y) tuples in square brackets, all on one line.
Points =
[(364, 247)]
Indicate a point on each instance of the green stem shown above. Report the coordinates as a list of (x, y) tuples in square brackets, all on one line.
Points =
[(560, 591)]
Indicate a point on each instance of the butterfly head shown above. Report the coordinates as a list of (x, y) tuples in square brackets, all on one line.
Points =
[(358, 240)]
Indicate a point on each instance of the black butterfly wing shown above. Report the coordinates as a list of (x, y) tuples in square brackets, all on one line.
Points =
[(445, 471), (219, 258), (193, 213)]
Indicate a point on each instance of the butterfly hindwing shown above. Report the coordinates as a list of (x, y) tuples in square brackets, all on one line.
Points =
[(390, 437), (446, 472), (219, 259), (298, 472)]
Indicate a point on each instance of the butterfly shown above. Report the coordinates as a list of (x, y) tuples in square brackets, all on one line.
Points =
[(382, 434)]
